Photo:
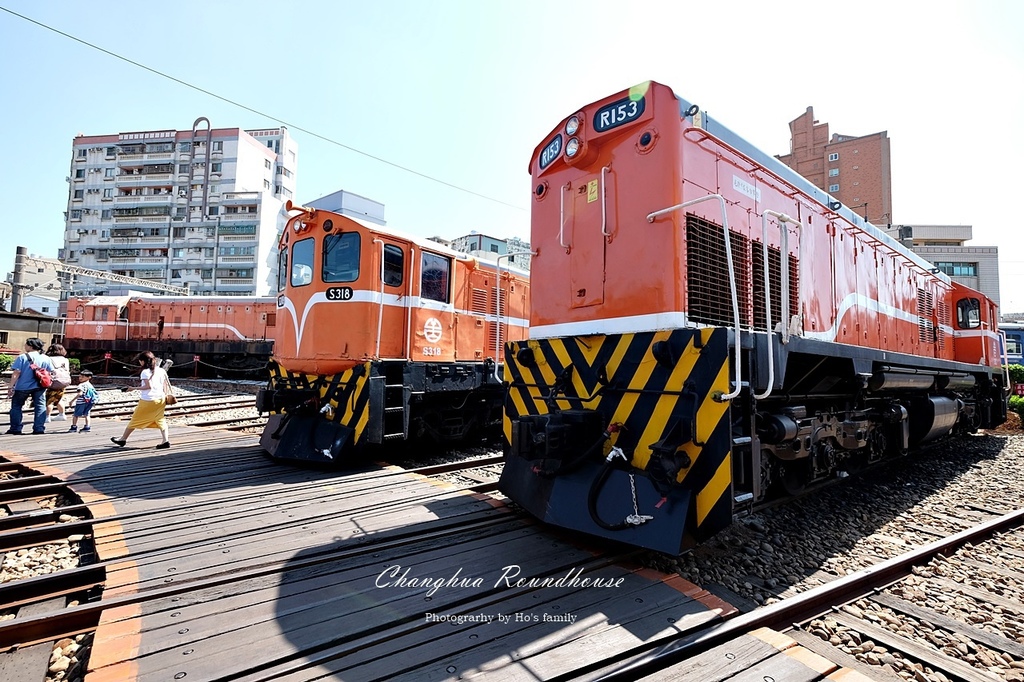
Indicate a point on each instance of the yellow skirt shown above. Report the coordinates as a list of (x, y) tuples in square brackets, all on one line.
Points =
[(149, 414)]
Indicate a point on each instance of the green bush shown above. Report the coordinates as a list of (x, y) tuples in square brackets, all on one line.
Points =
[(75, 364), (1017, 405), (5, 362), (1016, 374)]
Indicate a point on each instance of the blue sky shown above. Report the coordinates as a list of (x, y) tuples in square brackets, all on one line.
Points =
[(463, 92)]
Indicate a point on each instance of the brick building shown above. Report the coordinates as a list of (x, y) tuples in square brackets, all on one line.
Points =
[(854, 170)]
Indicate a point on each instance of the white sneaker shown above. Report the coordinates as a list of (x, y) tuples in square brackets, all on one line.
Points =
[(47, 419), (59, 418)]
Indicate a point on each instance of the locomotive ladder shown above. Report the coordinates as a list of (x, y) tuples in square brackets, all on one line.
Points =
[(741, 442)]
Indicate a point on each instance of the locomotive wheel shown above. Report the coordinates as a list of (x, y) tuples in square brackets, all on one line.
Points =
[(793, 477)]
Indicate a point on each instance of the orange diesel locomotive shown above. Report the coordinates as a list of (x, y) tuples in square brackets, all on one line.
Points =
[(715, 331), (227, 332), (382, 336)]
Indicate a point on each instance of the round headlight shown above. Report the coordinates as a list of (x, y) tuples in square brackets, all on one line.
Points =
[(572, 147), (572, 125)]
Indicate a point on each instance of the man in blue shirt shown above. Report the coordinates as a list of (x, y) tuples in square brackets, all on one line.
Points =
[(24, 385)]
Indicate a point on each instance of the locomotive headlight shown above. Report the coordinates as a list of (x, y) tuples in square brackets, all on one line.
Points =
[(572, 147), (572, 125)]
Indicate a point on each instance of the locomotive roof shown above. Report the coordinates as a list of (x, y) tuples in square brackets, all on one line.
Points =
[(425, 243), (786, 173)]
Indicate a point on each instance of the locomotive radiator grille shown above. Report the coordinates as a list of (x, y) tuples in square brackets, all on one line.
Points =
[(925, 316), (615, 376), (775, 273), (709, 297)]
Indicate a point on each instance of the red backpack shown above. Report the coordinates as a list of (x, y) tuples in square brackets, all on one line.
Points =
[(43, 376)]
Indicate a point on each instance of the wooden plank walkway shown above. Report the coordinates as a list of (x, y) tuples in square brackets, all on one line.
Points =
[(229, 566)]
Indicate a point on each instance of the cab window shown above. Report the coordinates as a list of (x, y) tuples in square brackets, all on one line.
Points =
[(394, 266), (434, 277), (341, 257), (282, 269), (1013, 345), (302, 262), (968, 313)]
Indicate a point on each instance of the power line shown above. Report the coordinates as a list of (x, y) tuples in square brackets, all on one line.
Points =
[(258, 112)]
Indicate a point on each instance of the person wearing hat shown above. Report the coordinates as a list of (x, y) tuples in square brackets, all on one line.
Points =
[(24, 385)]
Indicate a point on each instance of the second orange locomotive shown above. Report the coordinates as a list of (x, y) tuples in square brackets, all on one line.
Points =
[(381, 336)]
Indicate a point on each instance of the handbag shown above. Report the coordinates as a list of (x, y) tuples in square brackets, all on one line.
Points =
[(43, 376), (169, 398)]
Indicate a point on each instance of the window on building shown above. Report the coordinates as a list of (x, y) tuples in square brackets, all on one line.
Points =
[(111, 151), (215, 167), (108, 172), (218, 146), (79, 194), (834, 156), (80, 174), (108, 193), (82, 153), (968, 313), (76, 214), (341, 257), (434, 278), (183, 168), (394, 266), (4, 338), (302, 262), (833, 172), (266, 184), (833, 188), (214, 210), (958, 269), (266, 162), (107, 214)]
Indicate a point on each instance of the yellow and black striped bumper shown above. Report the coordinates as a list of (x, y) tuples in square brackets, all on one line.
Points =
[(306, 433), (652, 396)]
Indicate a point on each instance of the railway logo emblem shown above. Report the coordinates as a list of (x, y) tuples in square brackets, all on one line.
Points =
[(432, 330)]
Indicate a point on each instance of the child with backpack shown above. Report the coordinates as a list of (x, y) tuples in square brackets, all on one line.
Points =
[(87, 397)]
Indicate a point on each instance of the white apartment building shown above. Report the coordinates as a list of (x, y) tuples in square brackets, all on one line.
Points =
[(201, 207)]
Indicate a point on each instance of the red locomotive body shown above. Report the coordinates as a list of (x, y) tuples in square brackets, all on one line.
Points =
[(381, 336), (715, 328), (233, 333)]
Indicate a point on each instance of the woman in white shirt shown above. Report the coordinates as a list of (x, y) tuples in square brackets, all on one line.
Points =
[(149, 413)]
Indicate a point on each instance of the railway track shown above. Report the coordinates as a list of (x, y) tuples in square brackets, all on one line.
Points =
[(58, 607), (903, 618)]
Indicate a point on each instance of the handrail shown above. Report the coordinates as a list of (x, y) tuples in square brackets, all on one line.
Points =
[(561, 214), (784, 267), (604, 206), (1006, 360), (497, 311), (408, 302), (732, 280), (380, 309)]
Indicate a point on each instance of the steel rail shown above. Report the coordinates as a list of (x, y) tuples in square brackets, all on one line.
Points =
[(807, 604)]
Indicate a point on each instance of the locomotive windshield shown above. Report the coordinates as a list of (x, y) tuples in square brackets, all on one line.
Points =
[(282, 269), (302, 262), (341, 257)]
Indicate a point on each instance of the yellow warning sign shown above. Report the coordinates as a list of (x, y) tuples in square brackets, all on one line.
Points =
[(592, 191)]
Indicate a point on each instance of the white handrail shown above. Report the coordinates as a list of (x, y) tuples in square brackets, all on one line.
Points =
[(561, 214), (1006, 360), (732, 280), (380, 309), (497, 336), (408, 302), (784, 267), (604, 207)]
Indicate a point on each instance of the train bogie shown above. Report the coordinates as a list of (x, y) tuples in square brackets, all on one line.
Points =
[(716, 331)]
